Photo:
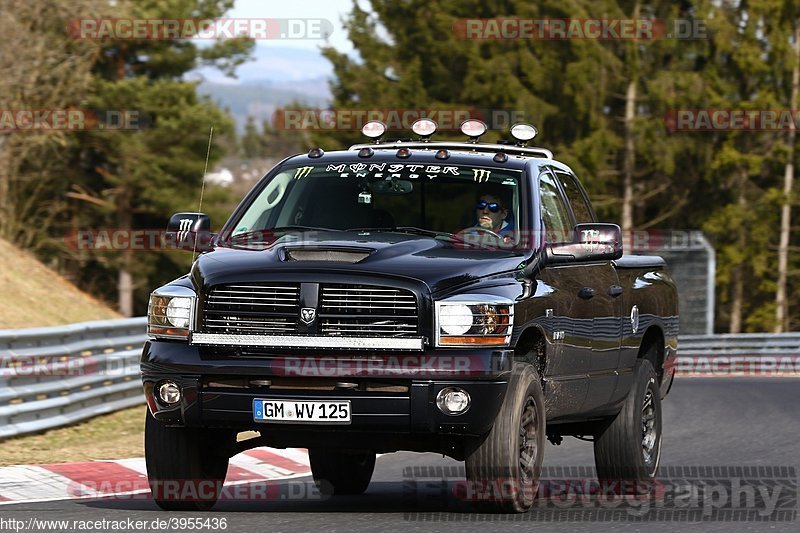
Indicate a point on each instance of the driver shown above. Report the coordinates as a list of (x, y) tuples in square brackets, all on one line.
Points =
[(491, 213)]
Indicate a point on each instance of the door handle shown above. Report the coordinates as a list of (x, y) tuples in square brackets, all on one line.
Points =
[(587, 293), (615, 290)]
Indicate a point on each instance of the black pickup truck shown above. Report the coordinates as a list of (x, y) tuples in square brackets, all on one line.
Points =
[(450, 297)]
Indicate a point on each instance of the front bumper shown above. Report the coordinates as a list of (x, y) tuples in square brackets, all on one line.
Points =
[(394, 399)]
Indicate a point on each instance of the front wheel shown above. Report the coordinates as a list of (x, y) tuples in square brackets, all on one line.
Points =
[(503, 470), (628, 449), (341, 472), (186, 467)]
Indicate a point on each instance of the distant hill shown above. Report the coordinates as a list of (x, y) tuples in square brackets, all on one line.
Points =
[(277, 77), (260, 99), (34, 295)]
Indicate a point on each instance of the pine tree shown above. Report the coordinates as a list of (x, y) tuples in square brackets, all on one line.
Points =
[(135, 179)]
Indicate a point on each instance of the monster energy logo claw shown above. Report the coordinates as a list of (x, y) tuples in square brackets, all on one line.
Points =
[(302, 172)]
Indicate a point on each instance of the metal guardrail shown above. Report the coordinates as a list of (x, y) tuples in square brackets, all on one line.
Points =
[(51, 377), (743, 354), (55, 376)]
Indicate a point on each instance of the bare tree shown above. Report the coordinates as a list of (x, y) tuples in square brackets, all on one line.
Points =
[(629, 160), (41, 68), (781, 301)]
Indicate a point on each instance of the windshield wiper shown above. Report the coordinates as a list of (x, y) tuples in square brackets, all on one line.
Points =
[(301, 228), (257, 236), (426, 232)]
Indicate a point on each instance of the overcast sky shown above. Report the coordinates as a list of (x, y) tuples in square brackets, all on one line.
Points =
[(332, 10)]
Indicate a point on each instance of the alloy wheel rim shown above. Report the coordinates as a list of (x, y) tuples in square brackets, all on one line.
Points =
[(528, 446), (649, 431)]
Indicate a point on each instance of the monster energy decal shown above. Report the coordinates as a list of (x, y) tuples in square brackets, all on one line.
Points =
[(481, 175), (302, 172), (392, 170)]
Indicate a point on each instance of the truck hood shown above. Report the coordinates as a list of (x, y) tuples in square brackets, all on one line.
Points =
[(439, 264)]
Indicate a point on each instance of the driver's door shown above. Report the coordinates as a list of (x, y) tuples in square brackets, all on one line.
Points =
[(566, 374)]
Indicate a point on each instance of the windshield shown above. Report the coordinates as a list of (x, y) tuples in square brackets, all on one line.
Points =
[(445, 201)]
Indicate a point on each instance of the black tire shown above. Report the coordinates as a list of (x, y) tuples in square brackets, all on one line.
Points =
[(628, 449), (186, 467), (338, 472), (496, 478)]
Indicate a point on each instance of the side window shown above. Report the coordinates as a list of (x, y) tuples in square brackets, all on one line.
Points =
[(580, 207), (555, 213)]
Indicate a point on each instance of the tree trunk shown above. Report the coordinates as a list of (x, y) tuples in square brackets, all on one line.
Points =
[(629, 161), (4, 179), (781, 300), (125, 289), (737, 277), (630, 157), (124, 277)]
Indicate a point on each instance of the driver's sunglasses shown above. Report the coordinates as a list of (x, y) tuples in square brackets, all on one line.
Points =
[(494, 207)]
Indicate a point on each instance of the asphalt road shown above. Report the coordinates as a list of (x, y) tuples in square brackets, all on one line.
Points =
[(732, 424)]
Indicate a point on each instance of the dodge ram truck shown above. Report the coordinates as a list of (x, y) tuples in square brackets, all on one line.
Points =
[(408, 294)]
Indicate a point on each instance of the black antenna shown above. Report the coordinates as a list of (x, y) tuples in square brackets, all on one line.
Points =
[(203, 189)]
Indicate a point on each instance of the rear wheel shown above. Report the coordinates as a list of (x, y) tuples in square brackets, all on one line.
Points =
[(338, 472), (186, 467), (503, 471), (628, 449)]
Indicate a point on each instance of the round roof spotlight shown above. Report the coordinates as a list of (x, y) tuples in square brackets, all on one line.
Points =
[(424, 127), (315, 153), (500, 157), (523, 132), (403, 153), (473, 128), (374, 129), (366, 152), (442, 154)]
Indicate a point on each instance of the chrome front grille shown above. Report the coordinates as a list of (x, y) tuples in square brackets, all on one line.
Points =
[(363, 310), (252, 309), (273, 309)]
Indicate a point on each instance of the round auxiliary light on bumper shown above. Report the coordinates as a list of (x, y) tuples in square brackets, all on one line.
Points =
[(168, 393), (453, 401)]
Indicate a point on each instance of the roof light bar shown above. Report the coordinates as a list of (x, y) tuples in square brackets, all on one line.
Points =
[(424, 127), (473, 128), (374, 129), (523, 132)]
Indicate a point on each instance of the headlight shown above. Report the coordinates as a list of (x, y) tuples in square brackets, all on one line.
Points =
[(455, 319), (178, 312), (474, 319), (169, 313)]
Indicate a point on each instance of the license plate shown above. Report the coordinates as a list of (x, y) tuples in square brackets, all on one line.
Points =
[(302, 411)]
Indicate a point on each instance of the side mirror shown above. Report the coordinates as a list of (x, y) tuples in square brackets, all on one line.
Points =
[(189, 231), (590, 242)]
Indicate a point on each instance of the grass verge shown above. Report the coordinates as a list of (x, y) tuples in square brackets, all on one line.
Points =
[(41, 297), (117, 435)]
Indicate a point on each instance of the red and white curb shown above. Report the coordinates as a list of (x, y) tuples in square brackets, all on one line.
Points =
[(98, 479)]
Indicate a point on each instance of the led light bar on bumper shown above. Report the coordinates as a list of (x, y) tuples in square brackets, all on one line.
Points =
[(170, 312), (474, 320)]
